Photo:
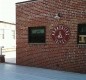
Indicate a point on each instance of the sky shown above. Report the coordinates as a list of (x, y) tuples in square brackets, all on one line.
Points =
[(8, 10)]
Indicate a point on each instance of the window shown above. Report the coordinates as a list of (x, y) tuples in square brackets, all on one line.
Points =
[(1, 33), (13, 34), (81, 33), (36, 34)]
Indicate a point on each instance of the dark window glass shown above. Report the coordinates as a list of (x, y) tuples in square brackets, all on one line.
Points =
[(82, 33), (36, 34)]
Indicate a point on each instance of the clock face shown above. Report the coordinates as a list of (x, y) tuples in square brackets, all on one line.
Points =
[(60, 34)]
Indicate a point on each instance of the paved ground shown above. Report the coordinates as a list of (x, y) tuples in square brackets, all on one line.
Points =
[(15, 72), (10, 57)]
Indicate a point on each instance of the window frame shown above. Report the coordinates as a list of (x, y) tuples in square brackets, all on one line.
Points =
[(81, 34), (13, 34), (30, 35), (2, 34)]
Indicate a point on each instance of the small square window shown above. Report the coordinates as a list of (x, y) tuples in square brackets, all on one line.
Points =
[(13, 34), (1, 33), (81, 33), (36, 34)]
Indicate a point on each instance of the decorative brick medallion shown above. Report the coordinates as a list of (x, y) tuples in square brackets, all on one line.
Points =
[(60, 34)]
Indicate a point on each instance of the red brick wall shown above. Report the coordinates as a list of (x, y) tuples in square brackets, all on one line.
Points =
[(70, 56)]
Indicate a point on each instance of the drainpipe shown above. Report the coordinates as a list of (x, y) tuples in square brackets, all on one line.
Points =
[(1, 49), (2, 59)]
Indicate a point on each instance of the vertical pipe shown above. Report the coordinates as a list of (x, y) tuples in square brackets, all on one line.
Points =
[(1, 49)]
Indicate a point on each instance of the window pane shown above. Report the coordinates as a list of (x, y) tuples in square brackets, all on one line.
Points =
[(82, 33), (37, 31), (82, 29), (13, 34), (1, 33), (37, 34)]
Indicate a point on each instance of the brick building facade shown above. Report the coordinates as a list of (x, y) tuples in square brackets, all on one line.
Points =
[(70, 56)]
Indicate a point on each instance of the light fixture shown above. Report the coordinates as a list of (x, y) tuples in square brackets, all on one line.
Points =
[(58, 15)]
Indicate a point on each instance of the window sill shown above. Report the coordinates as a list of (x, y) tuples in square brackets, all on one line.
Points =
[(37, 43), (81, 45), (34, 44)]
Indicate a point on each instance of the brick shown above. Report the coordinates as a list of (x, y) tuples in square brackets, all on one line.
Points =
[(70, 56)]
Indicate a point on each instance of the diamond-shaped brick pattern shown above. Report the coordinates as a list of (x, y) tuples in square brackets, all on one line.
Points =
[(70, 56)]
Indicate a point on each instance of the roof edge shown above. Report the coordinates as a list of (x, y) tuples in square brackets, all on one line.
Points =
[(26, 1), (7, 22)]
